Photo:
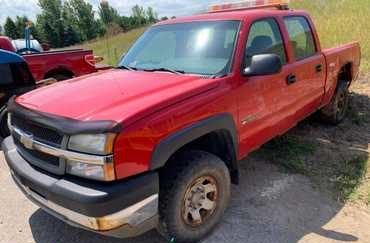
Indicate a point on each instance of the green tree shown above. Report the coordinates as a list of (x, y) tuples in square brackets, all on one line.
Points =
[(20, 23), (1, 30), (51, 22), (164, 18), (138, 15), (72, 27), (85, 19), (107, 13), (101, 28), (151, 15), (10, 29)]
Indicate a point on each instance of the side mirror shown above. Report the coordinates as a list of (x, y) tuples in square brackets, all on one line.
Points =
[(264, 64)]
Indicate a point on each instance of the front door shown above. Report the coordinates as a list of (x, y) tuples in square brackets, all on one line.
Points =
[(263, 100)]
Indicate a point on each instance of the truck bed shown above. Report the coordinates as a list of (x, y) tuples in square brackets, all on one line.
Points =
[(45, 64), (338, 58)]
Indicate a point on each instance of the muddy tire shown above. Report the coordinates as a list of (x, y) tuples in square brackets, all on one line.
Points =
[(336, 110), (194, 193)]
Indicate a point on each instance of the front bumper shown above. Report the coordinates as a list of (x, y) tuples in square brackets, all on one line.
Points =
[(119, 209)]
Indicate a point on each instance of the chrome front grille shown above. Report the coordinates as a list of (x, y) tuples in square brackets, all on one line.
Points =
[(26, 134), (36, 155), (39, 133)]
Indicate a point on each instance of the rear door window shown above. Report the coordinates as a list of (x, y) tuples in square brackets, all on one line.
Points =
[(264, 38), (300, 36)]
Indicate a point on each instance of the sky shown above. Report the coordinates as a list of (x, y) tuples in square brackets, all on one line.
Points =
[(169, 8)]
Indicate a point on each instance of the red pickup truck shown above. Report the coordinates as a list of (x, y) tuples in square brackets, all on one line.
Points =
[(158, 145), (59, 65)]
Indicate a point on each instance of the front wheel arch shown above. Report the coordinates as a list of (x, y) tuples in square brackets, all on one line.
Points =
[(216, 135)]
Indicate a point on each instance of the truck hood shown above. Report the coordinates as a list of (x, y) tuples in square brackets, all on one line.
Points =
[(116, 95)]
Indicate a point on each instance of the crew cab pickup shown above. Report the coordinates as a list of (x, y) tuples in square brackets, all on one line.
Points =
[(59, 65), (158, 145)]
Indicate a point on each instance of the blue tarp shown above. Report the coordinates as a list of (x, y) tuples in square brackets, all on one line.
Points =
[(10, 57)]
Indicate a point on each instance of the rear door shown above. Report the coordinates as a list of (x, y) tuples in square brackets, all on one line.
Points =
[(307, 80)]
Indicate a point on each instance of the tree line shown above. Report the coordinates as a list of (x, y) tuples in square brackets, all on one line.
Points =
[(69, 22)]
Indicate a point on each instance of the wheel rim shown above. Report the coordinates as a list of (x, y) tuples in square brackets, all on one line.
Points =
[(342, 104), (200, 201)]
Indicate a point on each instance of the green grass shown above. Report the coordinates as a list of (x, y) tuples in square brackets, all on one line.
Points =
[(337, 21), (350, 180), (112, 47), (288, 152)]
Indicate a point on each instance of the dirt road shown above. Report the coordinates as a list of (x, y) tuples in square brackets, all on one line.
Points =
[(268, 206), (271, 205)]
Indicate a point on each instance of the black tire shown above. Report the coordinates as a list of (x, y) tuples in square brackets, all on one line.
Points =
[(4, 129), (336, 110), (187, 172), (60, 77)]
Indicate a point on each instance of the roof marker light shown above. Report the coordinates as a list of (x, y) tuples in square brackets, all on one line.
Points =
[(249, 4)]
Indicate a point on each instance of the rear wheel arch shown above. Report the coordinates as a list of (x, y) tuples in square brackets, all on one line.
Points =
[(59, 74), (345, 74), (216, 135)]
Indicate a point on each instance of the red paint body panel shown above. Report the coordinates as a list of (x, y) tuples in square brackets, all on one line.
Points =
[(6, 44), (152, 106), (43, 64)]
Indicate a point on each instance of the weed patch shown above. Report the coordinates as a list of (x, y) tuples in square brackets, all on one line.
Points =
[(288, 152), (349, 176)]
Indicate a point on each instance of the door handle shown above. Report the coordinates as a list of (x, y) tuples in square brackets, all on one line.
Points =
[(291, 79), (318, 68)]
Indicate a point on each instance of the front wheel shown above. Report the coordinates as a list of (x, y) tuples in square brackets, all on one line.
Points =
[(194, 194)]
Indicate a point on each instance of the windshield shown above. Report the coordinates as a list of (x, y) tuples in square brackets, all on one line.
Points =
[(204, 48)]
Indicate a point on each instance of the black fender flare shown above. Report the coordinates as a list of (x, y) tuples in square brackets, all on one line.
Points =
[(172, 143)]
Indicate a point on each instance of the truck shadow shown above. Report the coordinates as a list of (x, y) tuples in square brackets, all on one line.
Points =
[(274, 203)]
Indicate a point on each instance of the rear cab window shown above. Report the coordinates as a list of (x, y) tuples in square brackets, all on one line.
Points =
[(265, 38), (300, 36)]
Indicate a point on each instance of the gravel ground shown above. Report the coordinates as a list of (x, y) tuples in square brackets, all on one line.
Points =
[(269, 206)]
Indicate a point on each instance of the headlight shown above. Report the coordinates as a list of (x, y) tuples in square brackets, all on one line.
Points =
[(100, 144), (96, 145)]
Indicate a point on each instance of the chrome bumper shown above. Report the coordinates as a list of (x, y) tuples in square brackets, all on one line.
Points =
[(132, 216)]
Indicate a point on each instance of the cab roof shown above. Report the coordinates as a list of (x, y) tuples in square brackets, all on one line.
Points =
[(234, 15)]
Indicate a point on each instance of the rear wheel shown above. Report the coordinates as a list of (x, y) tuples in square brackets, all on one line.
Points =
[(336, 110), (194, 194), (60, 76)]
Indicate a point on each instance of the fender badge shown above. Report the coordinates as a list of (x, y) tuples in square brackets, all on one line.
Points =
[(249, 119)]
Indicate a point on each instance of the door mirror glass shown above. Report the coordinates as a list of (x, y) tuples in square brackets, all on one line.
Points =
[(263, 64)]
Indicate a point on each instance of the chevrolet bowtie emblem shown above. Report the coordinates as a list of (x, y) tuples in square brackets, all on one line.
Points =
[(27, 140)]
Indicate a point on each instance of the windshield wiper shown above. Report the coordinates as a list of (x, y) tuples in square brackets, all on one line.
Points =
[(127, 68), (165, 70)]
